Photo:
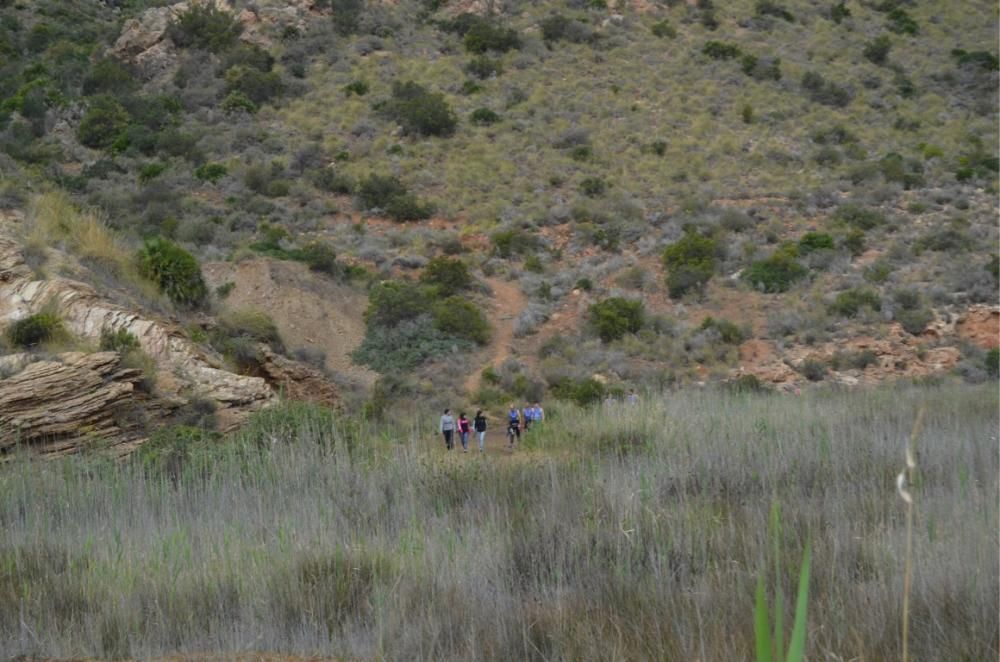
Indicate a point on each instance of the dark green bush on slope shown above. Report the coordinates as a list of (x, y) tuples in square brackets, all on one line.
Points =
[(33, 330), (776, 273), (448, 275), (614, 317), (205, 26), (174, 270), (690, 263), (103, 123), (420, 111), (850, 302)]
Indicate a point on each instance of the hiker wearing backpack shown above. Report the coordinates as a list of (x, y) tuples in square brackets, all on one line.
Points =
[(447, 428), (529, 416), (513, 426), (464, 427), (479, 425)]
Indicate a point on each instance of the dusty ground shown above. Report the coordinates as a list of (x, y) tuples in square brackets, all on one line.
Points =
[(508, 302), (309, 309)]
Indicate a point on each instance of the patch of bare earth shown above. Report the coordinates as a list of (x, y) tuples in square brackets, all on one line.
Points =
[(309, 309), (508, 302)]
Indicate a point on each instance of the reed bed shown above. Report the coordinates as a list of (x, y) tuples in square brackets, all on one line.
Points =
[(615, 533)]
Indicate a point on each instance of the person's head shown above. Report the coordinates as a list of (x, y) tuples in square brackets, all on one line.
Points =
[(446, 411), (462, 415), (479, 412), (538, 406), (512, 407)]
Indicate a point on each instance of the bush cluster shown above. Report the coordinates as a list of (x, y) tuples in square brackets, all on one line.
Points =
[(776, 273), (205, 26), (387, 193), (850, 302), (815, 241), (449, 275), (613, 318), (911, 312), (583, 392), (820, 90), (33, 330), (557, 27), (729, 332), (174, 270), (420, 111), (690, 263)]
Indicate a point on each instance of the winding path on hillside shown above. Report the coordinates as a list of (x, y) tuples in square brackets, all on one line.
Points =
[(508, 302)]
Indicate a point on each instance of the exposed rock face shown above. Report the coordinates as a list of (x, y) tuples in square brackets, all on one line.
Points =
[(72, 401), (296, 380), (143, 40), (981, 325)]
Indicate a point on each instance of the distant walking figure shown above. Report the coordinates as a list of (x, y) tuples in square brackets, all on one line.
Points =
[(479, 424), (447, 428), (529, 416), (513, 426), (633, 398), (464, 427)]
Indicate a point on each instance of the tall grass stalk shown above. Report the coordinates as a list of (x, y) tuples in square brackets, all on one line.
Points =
[(905, 479)]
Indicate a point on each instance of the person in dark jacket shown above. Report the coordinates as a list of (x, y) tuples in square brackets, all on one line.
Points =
[(479, 424), (464, 428)]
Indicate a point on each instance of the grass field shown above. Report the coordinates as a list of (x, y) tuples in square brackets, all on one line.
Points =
[(621, 534)]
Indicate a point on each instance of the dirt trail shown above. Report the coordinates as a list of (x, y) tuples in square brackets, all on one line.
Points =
[(508, 302)]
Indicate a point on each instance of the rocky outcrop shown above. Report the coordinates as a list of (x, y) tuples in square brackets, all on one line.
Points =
[(143, 40), (72, 401), (294, 379), (980, 325)]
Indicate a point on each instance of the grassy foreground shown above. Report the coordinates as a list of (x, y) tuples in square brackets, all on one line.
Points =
[(627, 534)]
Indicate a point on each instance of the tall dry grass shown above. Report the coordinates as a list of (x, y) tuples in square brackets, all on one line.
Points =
[(622, 534)]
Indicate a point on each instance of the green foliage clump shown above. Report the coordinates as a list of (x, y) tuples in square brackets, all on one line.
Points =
[(770, 8), (358, 87), (613, 318), (236, 102), (690, 263), (254, 84), (901, 22), (729, 332), (820, 90), (108, 76), (949, 239), (174, 270), (982, 59), (267, 180), (390, 195), (583, 392), (461, 318), (211, 172), (103, 123), (486, 35), (33, 330), (483, 66), (815, 241), (761, 68), (859, 217), (813, 369), (663, 29), (205, 26), (420, 111), (320, 257), (346, 15), (449, 275), (718, 50), (776, 273), (850, 302), (839, 12), (484, 117), (557, 27), (118, 341), (593, 187), (992, 362), (250, 324), (508, 243), (877, 51)]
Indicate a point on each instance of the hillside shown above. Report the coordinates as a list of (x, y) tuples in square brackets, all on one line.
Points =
[(436, 201)]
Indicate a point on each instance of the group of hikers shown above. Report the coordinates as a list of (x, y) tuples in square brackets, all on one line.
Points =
[(517, 420)]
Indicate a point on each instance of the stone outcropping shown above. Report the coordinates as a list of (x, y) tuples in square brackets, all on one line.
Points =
[(73, 400)]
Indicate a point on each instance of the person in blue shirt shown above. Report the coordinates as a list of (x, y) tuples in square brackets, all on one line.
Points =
[(513, 425)]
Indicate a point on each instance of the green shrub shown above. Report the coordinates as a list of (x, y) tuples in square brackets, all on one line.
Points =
[(403, 346), (901, 22), (420, 111), (839, 12), (747, 383), (949, 239), (484, 117), (690, 263), (718, 50), (729, 332), (761, 68), (34, 330), (508, 243), (769, 8), (103, 123), (813, 369), (407, 208), (820, 90), (391, 302), (358, 87), (583, 392), (877, 51), (992, 362), (482, 67), (982, 59), (346, 15), (332, 180), (486, 35), (254, 84), (593, 187), (776, 273), (174, 270), (853, 360), (267, 180), (251, 324), (320, 257), (211, 172), (914, 320), (238, 102), (850, 302), (614, 317), (108, 76), (814, 241), (175, 450), (205, 26), (461, 318), (448, 275), (859, 217), (663, 29), (854, 241), (118, 341)]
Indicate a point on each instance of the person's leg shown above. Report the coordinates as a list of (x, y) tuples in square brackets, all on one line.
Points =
[(447, 439), (465, 442), (482, 439)]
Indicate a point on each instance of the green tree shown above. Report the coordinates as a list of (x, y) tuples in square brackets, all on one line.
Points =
[(690, 262), (614, 317), (102, 124), (174, 270)]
